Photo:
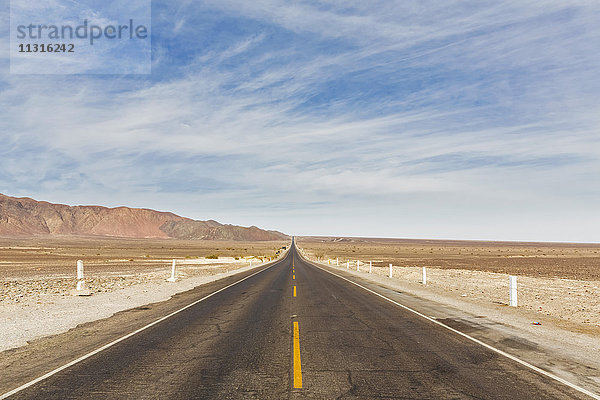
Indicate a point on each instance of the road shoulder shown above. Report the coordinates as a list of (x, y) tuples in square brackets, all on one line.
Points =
[(570, 355), (25, 363)]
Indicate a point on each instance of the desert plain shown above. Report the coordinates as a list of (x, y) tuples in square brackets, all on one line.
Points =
[(558, 283), (39, 266), (38, 277)]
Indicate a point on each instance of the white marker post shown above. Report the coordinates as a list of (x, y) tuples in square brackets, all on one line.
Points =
[(370, 266), (80, 279), (81, 289), (172, 278), (337, 262), (424, 277), (358, 265), (390, 270), (328, 261), (347, 264), (512, 288)]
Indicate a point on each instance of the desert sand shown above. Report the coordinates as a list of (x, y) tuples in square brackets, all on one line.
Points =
[(556, 281), (37, 277)]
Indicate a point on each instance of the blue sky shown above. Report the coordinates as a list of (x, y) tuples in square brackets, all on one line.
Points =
[(423, 119)]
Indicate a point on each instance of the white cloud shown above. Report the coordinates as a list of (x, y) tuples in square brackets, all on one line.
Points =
[(233, 142)]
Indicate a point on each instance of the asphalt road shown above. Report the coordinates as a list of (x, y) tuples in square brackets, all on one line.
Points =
[(295, 331)]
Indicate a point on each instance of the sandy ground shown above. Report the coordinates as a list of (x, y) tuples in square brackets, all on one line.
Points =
[(37, 278), (36, 289), (33, 268), (573, 304), (567, 349), (42, 315), (552, 260)]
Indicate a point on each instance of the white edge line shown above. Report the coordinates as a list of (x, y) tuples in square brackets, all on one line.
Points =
[(106, 346), (479, 342)]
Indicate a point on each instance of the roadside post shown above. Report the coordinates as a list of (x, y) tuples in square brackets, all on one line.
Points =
[(512, 288), (347, 264), (80, 279), (390, 270), (424, 277), (337, 261), (370, 266), (172, 278), (81, 289), (358, 265)]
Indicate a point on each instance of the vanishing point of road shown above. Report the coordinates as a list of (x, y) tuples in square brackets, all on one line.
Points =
[(287, 330)]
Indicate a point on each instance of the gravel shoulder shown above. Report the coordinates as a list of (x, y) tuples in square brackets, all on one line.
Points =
[(37, 308), (563, 347)]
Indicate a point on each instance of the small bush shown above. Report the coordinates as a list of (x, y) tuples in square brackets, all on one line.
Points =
[(213, 257)]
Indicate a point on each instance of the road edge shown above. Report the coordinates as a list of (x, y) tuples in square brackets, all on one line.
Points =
[(470, 338)]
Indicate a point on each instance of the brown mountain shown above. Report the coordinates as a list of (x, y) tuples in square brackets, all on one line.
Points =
[(28, 217)]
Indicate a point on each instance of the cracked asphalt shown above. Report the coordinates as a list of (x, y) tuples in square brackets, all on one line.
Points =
[(238, 344)]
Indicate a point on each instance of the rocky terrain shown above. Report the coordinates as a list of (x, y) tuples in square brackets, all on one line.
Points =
[(38, 276), (579, 261), (37, 289), (32, 308), (28, 217), (560, 281)]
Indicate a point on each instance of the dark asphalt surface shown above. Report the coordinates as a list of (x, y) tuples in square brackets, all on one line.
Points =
[(238, 344)]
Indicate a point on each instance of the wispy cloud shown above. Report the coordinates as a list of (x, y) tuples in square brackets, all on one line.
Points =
[(403, 117)]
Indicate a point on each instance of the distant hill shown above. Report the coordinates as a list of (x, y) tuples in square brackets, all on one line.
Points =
[(28, 217)]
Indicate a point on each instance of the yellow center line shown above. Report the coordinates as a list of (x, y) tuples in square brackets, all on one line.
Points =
[(294, 291), (297, 364), (293, 276)]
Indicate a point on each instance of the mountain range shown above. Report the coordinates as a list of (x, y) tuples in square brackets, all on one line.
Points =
[(27, 217)]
